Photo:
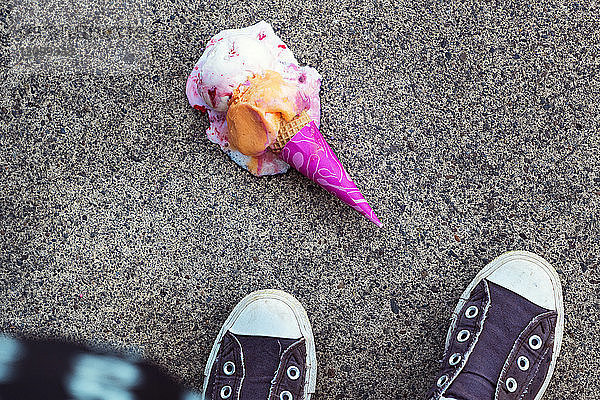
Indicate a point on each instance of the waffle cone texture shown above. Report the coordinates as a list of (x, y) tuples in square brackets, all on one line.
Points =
[(289, 129)]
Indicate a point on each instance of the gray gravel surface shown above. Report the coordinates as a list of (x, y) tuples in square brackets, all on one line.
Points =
[(471, 128)]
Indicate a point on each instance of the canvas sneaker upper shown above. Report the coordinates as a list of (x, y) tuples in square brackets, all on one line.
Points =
[(505, 333), (264, 351)]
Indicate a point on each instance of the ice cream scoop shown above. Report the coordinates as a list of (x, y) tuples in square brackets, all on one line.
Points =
[(264, 110), (257, 110), (230, 59)]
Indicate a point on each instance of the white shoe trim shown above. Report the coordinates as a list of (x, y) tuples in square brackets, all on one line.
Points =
[(303, 323), (527, 275), (270, 317)]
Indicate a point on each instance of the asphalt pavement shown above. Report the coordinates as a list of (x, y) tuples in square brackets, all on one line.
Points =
[(470, 127)]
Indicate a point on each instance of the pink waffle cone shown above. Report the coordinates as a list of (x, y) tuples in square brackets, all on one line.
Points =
[(301, 145)]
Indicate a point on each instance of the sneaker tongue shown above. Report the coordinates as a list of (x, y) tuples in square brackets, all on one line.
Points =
[(469, 386), (261, 360), (507, 316)]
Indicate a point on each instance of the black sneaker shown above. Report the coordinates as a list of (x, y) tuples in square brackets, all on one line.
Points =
[(505, 334), (265, 350)]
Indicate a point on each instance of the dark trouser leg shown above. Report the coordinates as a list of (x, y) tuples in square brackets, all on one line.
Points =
[(56, 370)]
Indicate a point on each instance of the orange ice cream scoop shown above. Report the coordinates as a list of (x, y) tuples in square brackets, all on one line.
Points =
[(257, 110)]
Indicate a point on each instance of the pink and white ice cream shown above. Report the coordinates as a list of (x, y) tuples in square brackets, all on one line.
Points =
[(231, 58), (264, 110)]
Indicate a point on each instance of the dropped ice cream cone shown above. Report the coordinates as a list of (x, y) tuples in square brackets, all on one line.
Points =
[(300, 144)]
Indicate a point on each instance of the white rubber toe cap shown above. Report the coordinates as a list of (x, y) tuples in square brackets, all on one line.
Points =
[(528, 275), (268, 313)]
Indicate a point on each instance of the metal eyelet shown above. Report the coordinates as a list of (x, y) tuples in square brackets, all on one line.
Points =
[(463, 336), (523, 363), (293, 372), (229, 368), (226, 392), (442, 380), (472, 312), (535, 342), (455, 359), (285, 395), (511, 385)]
